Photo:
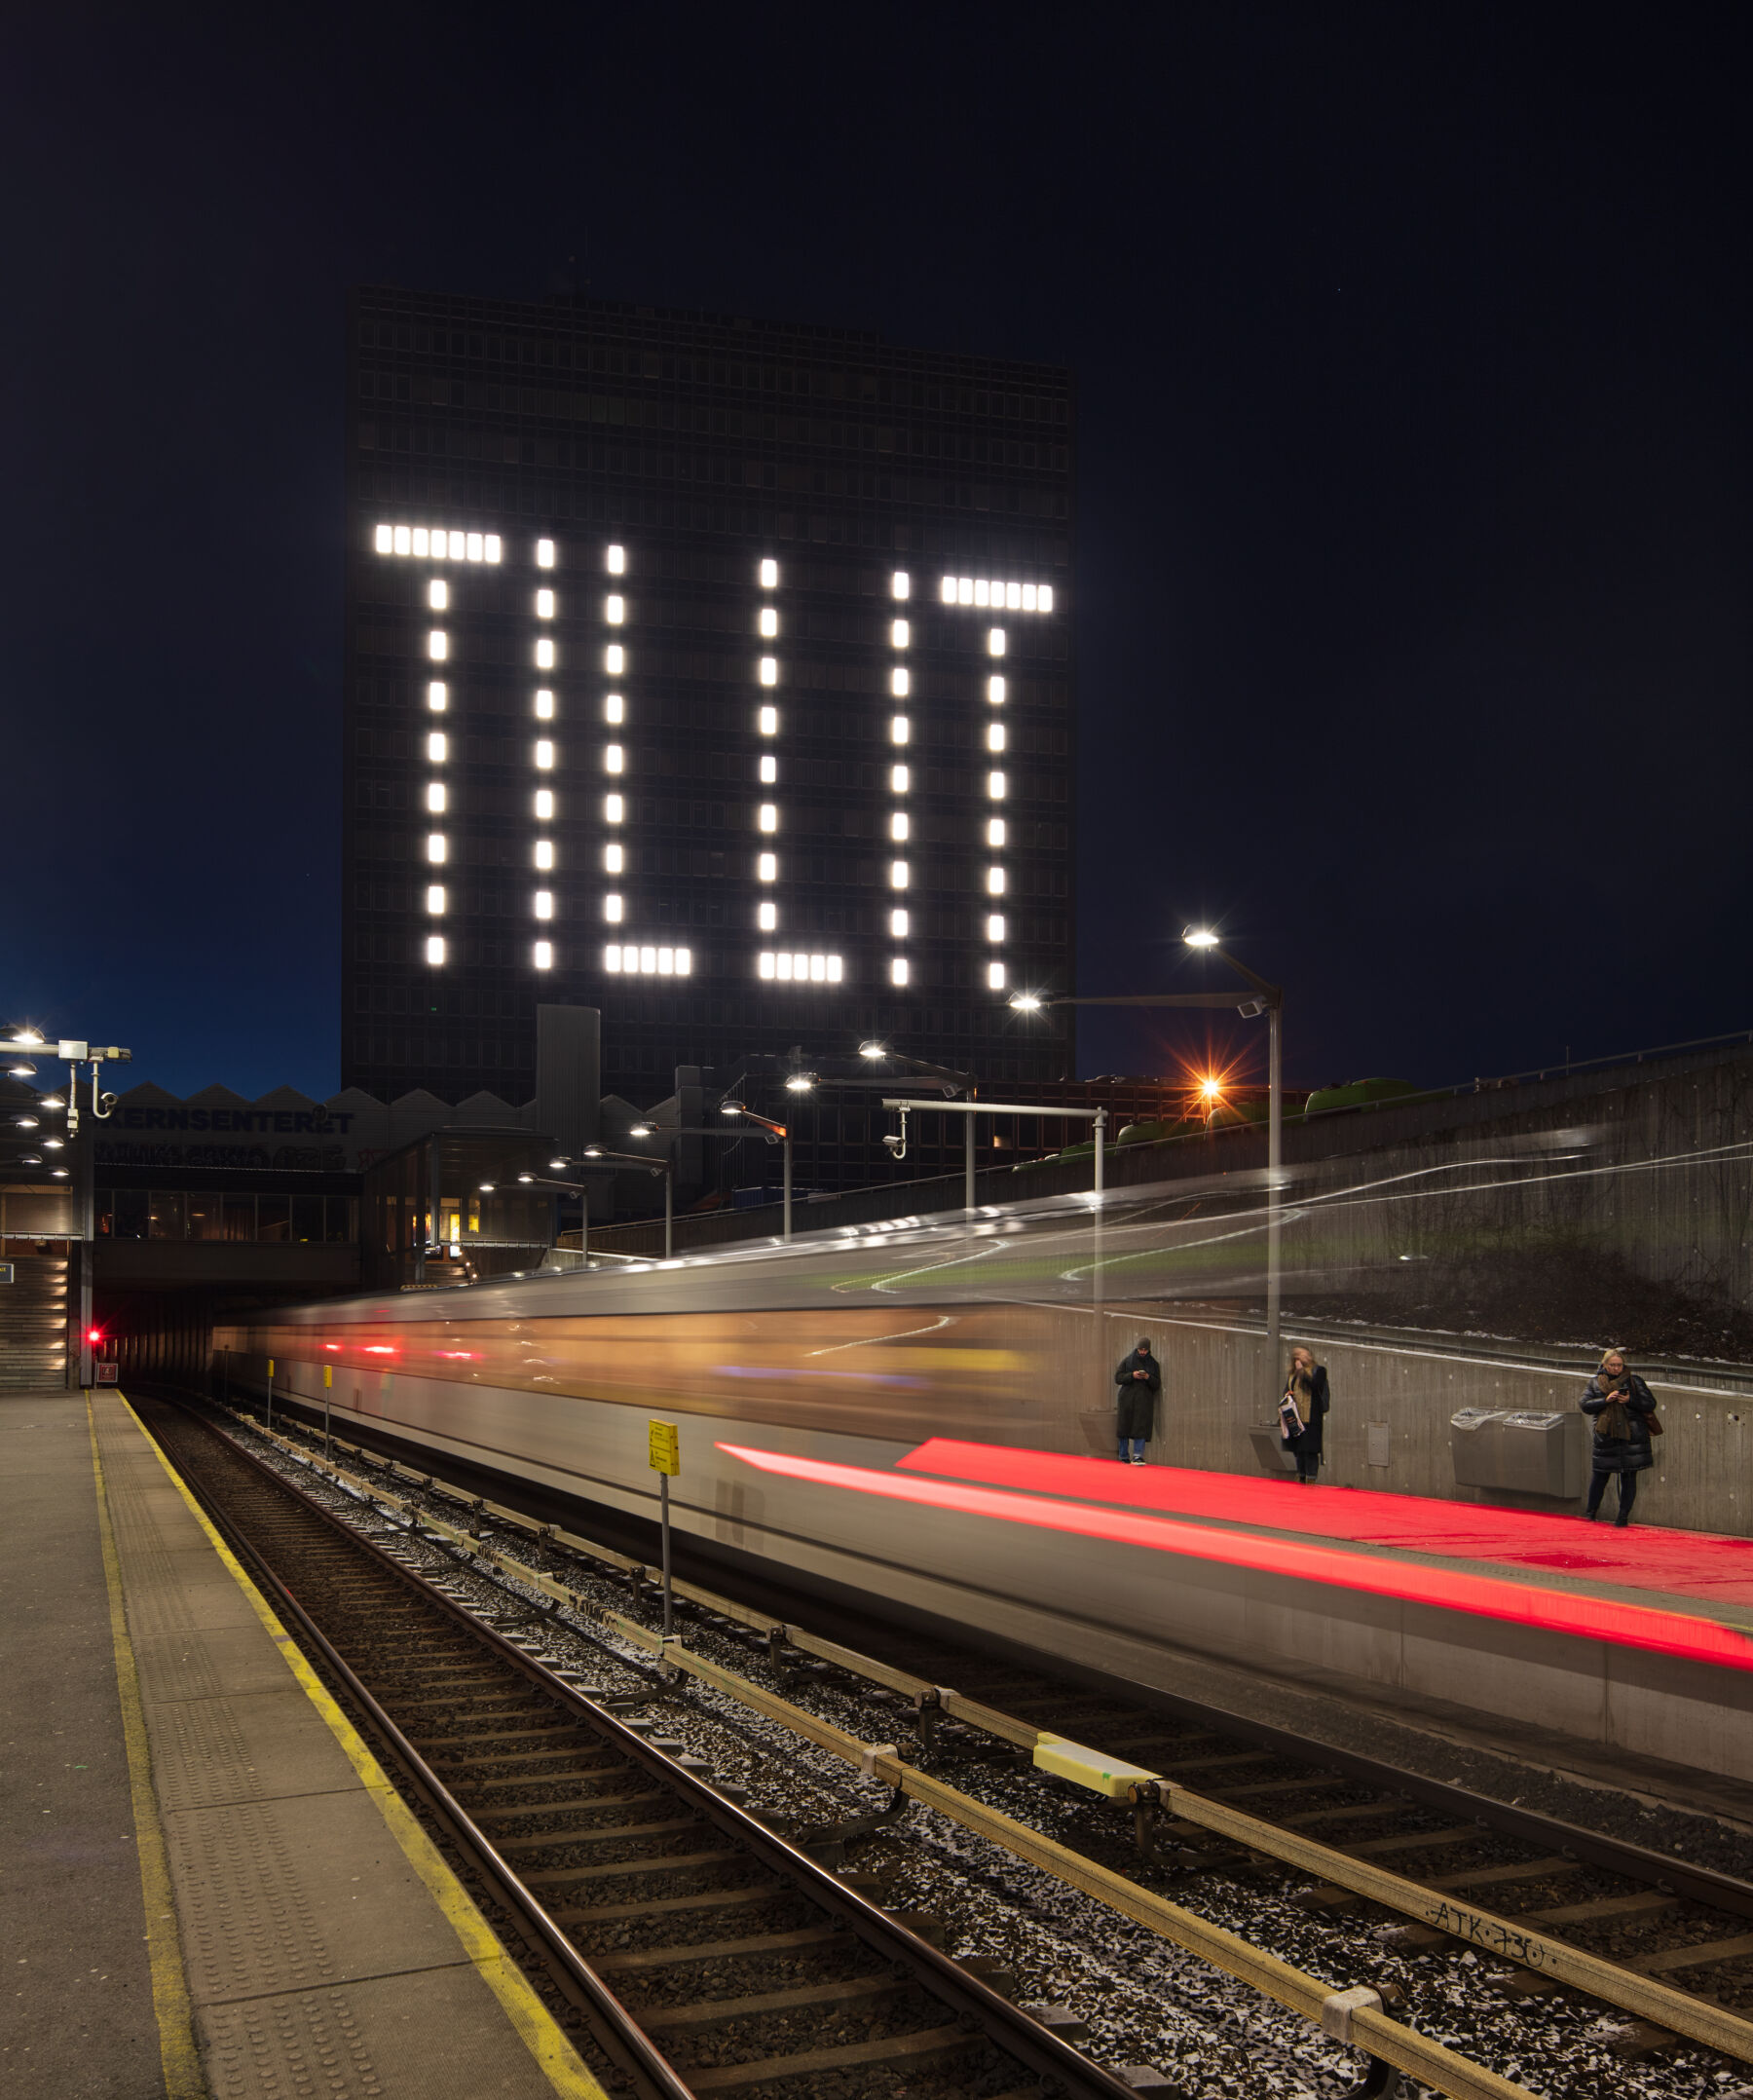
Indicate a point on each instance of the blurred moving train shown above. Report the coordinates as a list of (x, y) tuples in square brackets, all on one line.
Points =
[(855, 1409)]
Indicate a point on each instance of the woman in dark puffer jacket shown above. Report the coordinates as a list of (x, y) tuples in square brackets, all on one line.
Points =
[(1623, 1406)]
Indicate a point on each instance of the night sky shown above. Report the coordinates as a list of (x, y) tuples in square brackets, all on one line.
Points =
[(1414, 547)]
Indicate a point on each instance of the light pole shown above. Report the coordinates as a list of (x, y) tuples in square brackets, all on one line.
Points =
[(797, 1084), (1271, 1003), (589, 1158)]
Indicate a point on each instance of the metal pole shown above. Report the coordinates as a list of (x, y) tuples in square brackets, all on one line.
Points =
[(86, 1240), (669, 1213), (1100, 1168), (668, 1605), (1274, 1150), (968, 1163), (328, 1449), (788, 1171), (270, 1394)]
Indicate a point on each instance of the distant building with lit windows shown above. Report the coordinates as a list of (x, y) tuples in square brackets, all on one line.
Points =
[(715, 673)]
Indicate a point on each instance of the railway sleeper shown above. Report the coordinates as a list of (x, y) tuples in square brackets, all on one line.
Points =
[(929, 2043)]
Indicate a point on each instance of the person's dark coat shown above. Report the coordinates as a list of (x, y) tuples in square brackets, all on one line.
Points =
[(1631, 1452), (1312, 1403), (1135, 1400)]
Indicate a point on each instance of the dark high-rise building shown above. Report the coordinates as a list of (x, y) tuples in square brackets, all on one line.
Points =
[(716, 673)]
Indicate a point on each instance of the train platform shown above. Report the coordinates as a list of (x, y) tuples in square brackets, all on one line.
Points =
[(210, 1888)]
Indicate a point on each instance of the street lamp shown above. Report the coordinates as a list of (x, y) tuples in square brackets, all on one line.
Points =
[(664, 1166), (782, 1132), (1270, 1001)]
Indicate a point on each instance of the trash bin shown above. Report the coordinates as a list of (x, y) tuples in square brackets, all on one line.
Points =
[(1476, 1439), (1528, 1452), (1268, 1440)]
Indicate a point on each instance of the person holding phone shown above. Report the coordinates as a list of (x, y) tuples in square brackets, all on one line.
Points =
[(1140, 1378), (1302, 1412), (1624, 1409)]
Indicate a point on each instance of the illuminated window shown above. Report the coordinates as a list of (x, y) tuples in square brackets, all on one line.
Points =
[(767, 917), (994, 735), (615, 659), (982, 594), (995, 690), (615, 858), (791, 969), (898, 875), (1029, 597), (438, 594), (544, 755), (769, 576), (770, 771), (995, 926), (385, 540), (615, 560), (899, 729), (478, 548), (900, 778), (769, 622), (437, 846), (900, 681), (544, 804), (898, 970), (614, 610), (545, 654), (491, 547), (899, 922), (995, 881), (436, 797), (615, 809), (436, 898), (1013, 598), (767, 867), (612, 910), (996, 785), (458, 546), (543, 954), (995, 831), (545, 852), (767, 817), (438, 645), (615, 758), (770, 671), (404, 540), (434, 948), (612, 958), (421, 539), (767, 721), (995, 976), (898, 827), (964, 590), (544, 903), (545, 706), (901, 585), (900, 634), (544, 553), (995, 642), (545, 605), (437, 747), (614, 708), (437, 696)]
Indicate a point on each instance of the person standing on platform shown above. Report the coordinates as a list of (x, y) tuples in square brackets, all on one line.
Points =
[(1305, 1403), (1139, 1379), (1625, 1413)]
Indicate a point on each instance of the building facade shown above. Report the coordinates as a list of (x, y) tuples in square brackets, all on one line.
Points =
[(713, 673)]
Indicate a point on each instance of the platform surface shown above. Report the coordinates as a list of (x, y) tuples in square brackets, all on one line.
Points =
[(320, 1951)]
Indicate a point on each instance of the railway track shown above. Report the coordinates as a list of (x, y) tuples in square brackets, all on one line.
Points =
[(1389, 1860), (702, 1952)]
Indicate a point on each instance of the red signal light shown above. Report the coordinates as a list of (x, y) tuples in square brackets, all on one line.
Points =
[(94, 1333)]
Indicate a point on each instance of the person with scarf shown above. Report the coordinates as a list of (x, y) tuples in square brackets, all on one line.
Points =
[(1302, 1412), (1624, 1409)]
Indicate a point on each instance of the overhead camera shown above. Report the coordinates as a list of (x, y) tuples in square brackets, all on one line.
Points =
[(1253, 1010), (894, 1142)]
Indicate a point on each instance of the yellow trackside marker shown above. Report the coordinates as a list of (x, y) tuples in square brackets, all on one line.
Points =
[(666, 1448)]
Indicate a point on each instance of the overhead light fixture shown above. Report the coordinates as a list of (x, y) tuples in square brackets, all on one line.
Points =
[(487, 1188), (30, 1159), (594, 1151), (559, 1165), (25, 1122), (872, 1050), (731, 1108), (52, 1101), (27, 1038), (1199, 937), (21, 1069), (799, 1083), (640, 1130), (57, 1174), (52, 1145), (1025, 1002)]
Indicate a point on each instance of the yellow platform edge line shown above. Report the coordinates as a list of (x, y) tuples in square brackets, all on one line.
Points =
[(536, 2027), (178, 2055)]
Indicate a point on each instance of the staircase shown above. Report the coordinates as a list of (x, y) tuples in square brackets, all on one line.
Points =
[(33, 1325)]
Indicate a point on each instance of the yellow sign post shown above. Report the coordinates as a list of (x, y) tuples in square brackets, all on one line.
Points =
[(667, 1459)]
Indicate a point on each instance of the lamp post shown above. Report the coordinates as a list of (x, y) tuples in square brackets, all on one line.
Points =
[(589, 1158), (776, 1131), (1270, 1000)]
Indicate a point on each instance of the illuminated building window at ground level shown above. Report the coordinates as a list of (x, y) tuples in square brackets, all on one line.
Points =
[(643, 961), (791, 969)]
